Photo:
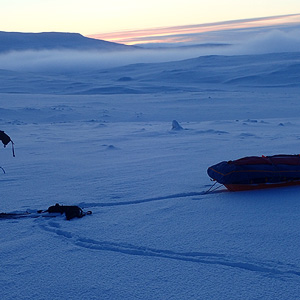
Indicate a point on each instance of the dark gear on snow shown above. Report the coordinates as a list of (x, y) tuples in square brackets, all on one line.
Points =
[(70, 211), (5, 139)]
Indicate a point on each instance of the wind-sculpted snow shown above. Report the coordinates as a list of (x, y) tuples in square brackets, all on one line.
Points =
[(193, 75), (105, 140)]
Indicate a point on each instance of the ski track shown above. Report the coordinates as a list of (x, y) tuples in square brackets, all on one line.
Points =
[(271, 268), (32, 213), (167, 197)]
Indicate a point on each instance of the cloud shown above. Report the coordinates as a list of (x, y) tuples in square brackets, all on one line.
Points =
[(58, 60), (70, 61), (272, 42), (196, 31)]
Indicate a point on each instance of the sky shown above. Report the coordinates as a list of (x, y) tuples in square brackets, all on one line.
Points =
[(244, 26), (92, 17), (219, 32)]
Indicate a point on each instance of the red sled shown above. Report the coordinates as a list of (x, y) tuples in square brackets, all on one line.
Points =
[(254, 172)]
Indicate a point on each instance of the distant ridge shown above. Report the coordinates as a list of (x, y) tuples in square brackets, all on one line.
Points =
[(17, 41), (197, 75)]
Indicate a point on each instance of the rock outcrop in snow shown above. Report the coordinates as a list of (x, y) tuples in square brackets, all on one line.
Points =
[(176, 126)]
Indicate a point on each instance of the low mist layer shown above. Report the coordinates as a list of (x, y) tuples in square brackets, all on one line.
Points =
[(274, 41)]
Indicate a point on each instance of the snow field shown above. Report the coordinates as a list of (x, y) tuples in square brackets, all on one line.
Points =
[(154, 233)]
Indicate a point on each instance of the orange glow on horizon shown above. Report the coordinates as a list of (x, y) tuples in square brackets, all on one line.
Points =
[(172, 34)]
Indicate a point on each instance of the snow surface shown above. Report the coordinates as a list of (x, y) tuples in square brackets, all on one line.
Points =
[(104, 140)]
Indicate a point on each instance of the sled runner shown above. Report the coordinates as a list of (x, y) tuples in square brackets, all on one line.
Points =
[(256, 172)]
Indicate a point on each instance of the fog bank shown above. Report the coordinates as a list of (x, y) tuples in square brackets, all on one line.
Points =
[(274, 41)]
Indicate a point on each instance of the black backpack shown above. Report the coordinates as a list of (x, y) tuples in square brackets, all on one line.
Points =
[(71, 212)]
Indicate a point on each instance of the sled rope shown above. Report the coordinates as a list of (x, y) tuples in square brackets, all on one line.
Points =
[(212, 189)]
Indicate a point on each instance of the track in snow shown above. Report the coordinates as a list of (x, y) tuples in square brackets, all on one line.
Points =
[(271, 268), (167, 197)]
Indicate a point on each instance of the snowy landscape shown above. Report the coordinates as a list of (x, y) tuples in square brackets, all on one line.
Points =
[(94, 129)]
